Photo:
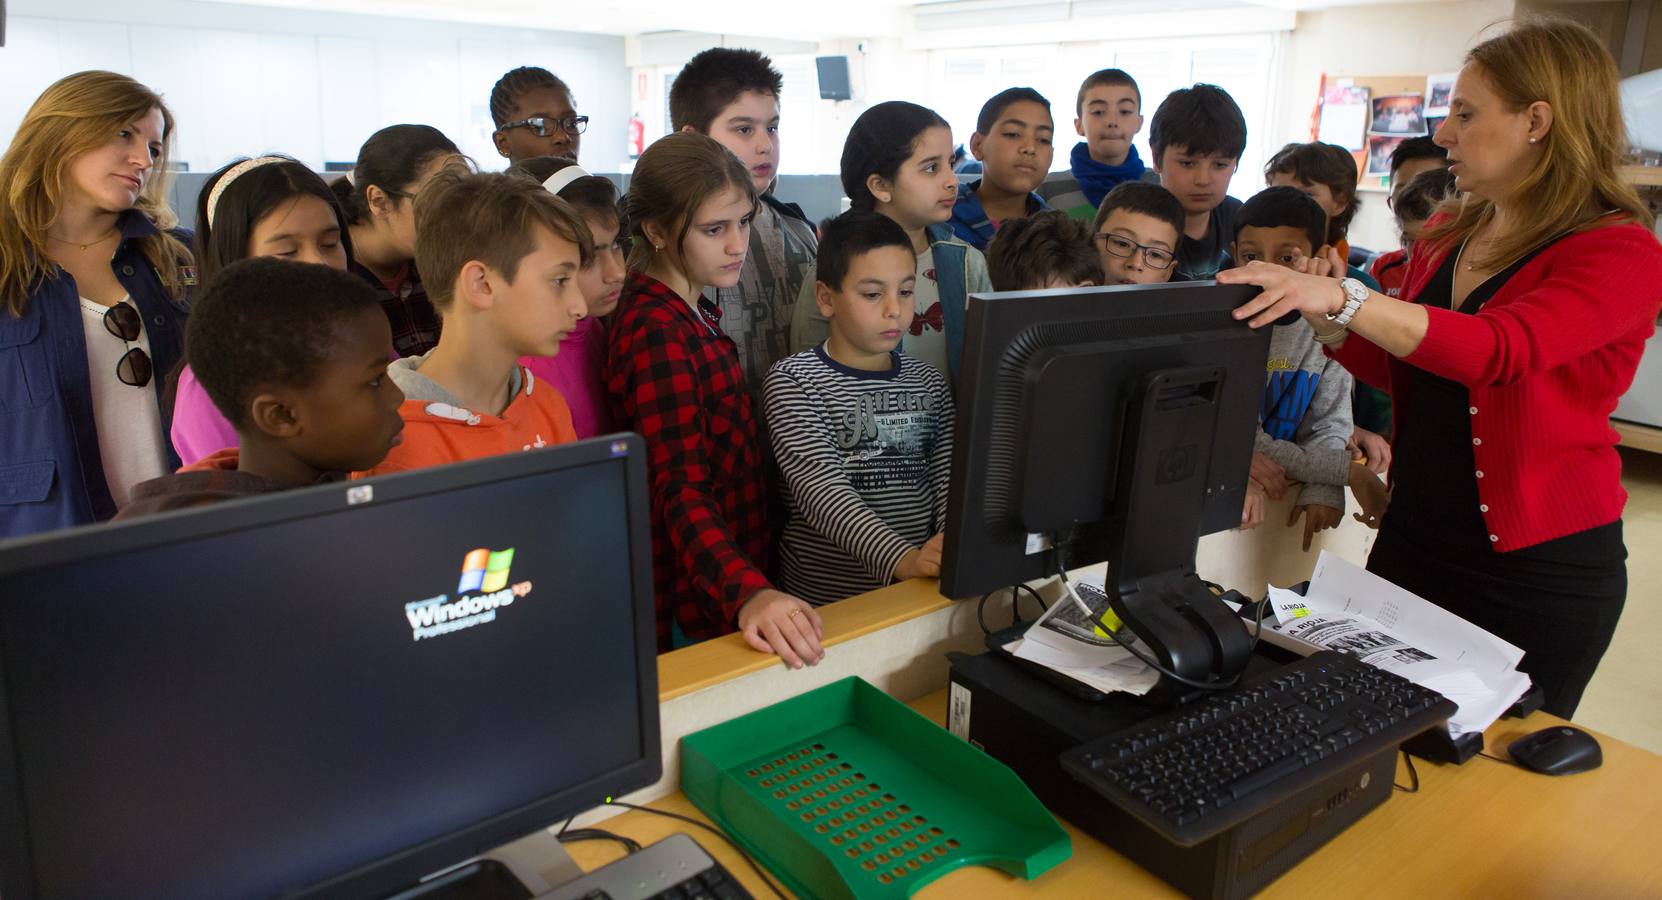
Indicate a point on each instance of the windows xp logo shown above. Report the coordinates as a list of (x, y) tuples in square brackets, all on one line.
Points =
[(485, 571)]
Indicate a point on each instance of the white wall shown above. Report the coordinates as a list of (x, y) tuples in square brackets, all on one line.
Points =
[(1383, 39), (245, 79)]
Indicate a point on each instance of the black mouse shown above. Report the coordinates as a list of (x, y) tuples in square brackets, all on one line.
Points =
[(1559, 750)]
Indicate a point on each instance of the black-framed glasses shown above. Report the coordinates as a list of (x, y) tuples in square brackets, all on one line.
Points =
[(542, 126), (124, 321), (1125, 248)]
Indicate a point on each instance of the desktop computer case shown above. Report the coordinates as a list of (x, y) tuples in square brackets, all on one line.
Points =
[(1026, 723)]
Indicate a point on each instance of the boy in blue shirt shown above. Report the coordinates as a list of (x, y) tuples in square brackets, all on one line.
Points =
[(1197, 137), (1108, 115), (1013, 139)]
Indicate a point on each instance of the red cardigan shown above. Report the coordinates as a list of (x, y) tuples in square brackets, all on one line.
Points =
[(1545, 361)]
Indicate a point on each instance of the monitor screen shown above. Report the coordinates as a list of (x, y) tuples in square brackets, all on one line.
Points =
[(304, 694)]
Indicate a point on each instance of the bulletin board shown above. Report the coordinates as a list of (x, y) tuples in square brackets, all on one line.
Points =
[(1379, 88)]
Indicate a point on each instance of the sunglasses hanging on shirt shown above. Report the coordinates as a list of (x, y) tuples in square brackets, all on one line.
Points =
[(124, 321)]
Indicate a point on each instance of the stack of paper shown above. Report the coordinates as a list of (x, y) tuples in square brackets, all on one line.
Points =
[(1355, 611), (1066, 641)]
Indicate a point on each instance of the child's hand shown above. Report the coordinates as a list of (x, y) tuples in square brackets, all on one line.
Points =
[(924, 562), (1269, 475), (1365, 444), (1252, 512), (776, 622), (1370, 494), (1316, 518), (1320, 264)]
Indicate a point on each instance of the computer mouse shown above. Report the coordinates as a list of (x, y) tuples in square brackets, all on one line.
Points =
[(1559, 750)]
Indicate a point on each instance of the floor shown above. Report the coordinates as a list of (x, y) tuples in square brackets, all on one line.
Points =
[(1625, 697)]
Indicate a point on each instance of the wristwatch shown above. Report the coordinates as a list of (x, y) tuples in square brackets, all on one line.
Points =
[(1355, 293)]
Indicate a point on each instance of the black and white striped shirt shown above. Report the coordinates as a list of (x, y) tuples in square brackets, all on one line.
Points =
[(865, 458)]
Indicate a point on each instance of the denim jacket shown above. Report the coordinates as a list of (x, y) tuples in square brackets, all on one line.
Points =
[(51, 473)]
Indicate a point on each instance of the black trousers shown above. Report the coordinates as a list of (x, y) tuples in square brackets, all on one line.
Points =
[(1563, 620)]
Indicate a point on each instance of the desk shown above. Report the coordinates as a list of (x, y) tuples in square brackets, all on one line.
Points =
[(1484, 829)]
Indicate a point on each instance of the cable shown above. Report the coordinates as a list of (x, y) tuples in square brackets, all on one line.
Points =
[(1015, 603), (1257, 633), (981, 611), (563, 826), (597, 834), (713, 830), (1506, 762), (1413, 776)]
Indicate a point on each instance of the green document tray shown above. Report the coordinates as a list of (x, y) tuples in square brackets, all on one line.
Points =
[(845, 792)]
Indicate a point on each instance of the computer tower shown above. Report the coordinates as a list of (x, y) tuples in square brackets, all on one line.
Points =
[(1026, 723)]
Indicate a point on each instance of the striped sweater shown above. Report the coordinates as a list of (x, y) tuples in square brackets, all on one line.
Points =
[(864, 458)]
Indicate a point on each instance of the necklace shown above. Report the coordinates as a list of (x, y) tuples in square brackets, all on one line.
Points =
[(85, 247)]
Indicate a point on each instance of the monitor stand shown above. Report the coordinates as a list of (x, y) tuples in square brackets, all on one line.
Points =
[(526, 868), (1168, 428)]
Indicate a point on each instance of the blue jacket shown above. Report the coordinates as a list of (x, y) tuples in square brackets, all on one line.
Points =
[(51, 473), (969, 219)]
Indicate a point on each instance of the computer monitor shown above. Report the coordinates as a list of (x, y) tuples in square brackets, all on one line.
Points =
[(1108, 423), (330, 692)]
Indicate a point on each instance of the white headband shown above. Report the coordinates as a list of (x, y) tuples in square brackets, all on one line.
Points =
[(235, 172), (561, 179)]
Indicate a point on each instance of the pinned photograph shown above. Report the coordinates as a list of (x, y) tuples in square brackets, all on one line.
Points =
[(1399, 115), (1438, 89), (1380, 148)]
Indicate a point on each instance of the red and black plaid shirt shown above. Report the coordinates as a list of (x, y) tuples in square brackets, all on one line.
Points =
[(675, 378), (415, 324)]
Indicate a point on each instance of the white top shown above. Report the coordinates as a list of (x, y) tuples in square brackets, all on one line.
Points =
[(927, 339), (128, 419)]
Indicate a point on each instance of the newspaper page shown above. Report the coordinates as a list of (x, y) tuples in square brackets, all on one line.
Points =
[(1354, 611), (1065, 640)]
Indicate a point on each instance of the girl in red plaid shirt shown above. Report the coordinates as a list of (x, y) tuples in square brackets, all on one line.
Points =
[(676, 379)]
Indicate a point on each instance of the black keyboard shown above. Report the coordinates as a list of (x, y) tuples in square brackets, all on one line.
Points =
[(1199, 770), (675, 868)]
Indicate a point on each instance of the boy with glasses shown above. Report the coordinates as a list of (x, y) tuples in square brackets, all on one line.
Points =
[(1139, 227), (535, 116)]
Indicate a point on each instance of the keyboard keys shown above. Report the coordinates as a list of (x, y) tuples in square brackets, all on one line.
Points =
[(1220, 760)]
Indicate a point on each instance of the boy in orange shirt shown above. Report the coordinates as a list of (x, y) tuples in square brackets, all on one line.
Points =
[(500, 257)]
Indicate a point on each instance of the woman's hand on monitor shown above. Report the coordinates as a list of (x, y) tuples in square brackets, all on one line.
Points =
[(775, 622), (1284, 291)]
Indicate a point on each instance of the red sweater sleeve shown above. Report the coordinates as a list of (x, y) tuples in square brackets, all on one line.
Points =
[(1602, 285)]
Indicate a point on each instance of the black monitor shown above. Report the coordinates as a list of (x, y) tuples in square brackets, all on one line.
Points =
[(330, 692), (1111, 423)]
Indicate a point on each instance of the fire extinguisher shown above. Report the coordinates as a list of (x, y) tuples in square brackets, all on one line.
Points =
[(637, 136)]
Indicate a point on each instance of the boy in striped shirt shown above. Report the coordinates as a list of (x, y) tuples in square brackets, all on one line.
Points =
[(862, 433)]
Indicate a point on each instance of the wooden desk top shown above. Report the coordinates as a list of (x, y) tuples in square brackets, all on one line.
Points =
[(712, 662), (1482, 829)]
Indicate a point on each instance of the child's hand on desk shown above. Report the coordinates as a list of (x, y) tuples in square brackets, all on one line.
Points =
[(1316, 518), (776, 622), (924, 562), (1270, 477), (1252, 512)]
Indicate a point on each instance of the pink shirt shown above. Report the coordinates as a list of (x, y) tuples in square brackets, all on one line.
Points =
[(576, 373), (199, 428)]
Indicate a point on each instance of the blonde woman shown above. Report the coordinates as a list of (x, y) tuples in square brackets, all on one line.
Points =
[(1524, 313), (92, 286)]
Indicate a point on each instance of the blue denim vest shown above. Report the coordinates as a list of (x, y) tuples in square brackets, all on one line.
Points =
[(51, 473)]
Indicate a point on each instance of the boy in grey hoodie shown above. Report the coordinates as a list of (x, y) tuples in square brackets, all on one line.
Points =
[(1304, 418)]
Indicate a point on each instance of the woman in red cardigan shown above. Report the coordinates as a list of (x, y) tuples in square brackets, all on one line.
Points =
[(1522, 323)]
